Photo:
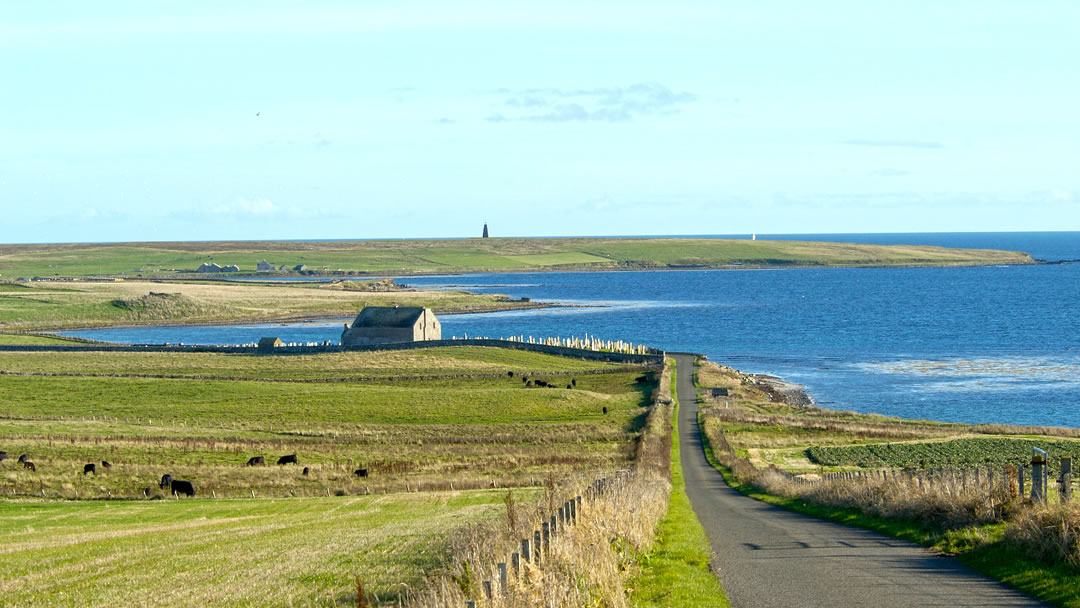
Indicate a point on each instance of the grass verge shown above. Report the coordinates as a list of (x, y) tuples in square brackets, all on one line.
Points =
[(676, 572), (978, 547)]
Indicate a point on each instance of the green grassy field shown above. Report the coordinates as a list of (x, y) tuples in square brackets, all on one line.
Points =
[(284, 552), (468, 255), (408, 432), (51, 305)]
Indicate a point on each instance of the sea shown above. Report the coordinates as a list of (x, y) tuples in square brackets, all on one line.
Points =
[(996, 344)]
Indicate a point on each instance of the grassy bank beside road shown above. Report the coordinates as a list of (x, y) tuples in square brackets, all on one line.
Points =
[(676, 571), (472, 255)]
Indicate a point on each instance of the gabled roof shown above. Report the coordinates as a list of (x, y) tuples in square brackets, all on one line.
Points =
[(388, 316)]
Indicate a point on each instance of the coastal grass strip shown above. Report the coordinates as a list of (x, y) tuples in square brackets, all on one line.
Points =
[(676, 572), (981, 548)]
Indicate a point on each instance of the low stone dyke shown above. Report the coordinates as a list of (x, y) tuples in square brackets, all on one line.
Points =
[(652, 359)]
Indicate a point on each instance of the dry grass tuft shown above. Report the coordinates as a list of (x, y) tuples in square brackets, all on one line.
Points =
[(1048, 532)]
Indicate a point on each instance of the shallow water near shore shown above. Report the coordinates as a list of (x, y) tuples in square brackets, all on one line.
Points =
[(988, 344)]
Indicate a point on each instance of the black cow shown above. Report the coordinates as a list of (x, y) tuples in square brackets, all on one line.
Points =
[(3, 455), (568, 386), (605, 409), (529, 384), (541, 383), (573, 381), (179, 486), (524, 379), (510, 374), (254, 460), (289, 459), (306, 471), (106, 464), (360, 472), (146, 491), (166, 481), (23, 458), (90, 468), (29, 465)]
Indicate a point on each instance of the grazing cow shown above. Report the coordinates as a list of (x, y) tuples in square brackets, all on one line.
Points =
[(541, 383), (306, 471), (573, 381), (23, 458), (290, 459), (29, 465), (605, 409), (568, 386), (524, 379), (360, 472), (3, 455), (254, 460), (529, 384), (510, 374), (166, 481), (179, 486), (90, 468), (146, 491), (106, 464)]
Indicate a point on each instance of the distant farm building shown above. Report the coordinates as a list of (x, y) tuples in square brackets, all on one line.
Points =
[(264, 266), (300, 268), (215, 268), (388, 324), (268, 344)]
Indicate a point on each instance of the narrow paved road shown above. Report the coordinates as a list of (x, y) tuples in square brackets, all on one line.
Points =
[(769, 557)]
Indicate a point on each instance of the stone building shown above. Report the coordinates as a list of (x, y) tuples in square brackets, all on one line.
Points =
[(387, 324), (264, 266)]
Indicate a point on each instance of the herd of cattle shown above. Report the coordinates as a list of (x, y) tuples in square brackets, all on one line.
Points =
[(176, 486)]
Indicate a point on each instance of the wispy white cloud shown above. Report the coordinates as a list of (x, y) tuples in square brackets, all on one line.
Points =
[(895, 143), (262, 207), (611, 104), (890, 172)]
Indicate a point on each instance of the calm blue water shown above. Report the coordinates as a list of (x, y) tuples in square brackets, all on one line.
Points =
[(997, 344)]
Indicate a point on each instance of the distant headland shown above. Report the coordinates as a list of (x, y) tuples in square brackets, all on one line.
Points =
[(455, 256)]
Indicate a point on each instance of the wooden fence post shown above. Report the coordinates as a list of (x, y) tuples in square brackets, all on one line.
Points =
[(515, 562), (546, 539), (537, 547), (488, 591), (503, 589), (1038, 475), (1066, 479)]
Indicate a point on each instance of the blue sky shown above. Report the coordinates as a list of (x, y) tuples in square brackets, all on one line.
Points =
[(280, 120)]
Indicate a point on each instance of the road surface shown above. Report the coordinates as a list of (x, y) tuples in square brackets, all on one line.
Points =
[(768, 557)]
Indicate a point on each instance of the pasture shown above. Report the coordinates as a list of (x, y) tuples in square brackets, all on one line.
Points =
[(470, 255), (283, 552), (51, 305), (201, 416)]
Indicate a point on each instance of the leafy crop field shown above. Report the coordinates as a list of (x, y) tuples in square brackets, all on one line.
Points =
[(65, 410), (966, 452), (283, 552), (468, 255)]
